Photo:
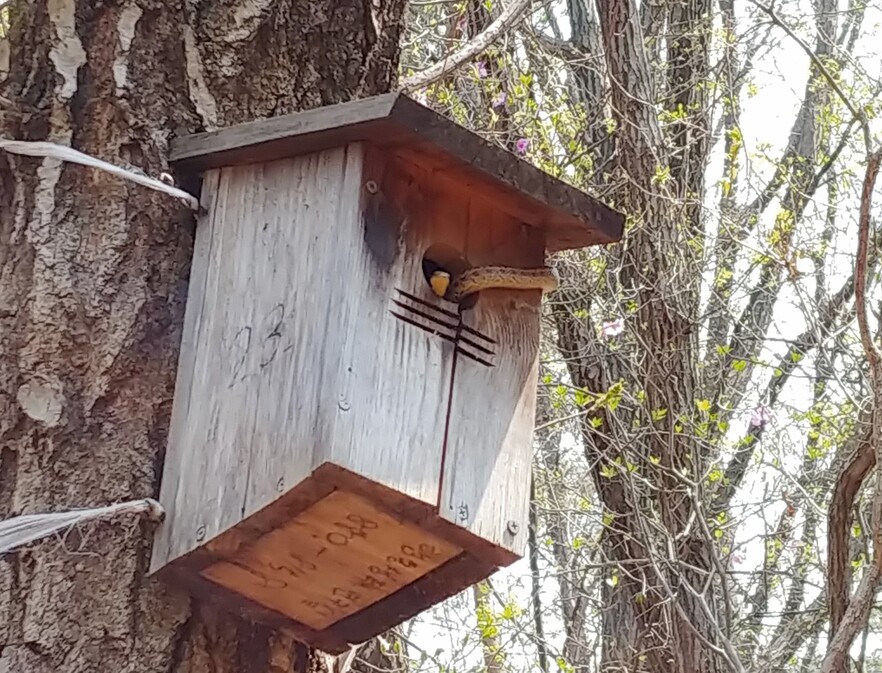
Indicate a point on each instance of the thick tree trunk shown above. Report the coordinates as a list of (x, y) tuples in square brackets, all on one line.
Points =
[(93, 280)]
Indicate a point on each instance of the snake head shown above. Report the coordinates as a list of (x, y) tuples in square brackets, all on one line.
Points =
[(440, 282)]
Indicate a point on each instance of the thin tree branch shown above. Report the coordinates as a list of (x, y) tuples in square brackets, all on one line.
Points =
[(468, 51), (858, 114)]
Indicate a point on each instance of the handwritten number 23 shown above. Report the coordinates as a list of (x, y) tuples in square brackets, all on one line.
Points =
[(269, 337)]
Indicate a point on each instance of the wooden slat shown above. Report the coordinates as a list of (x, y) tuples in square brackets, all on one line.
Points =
[(284, 137), (384, 380), (177, 498), (568, 217)]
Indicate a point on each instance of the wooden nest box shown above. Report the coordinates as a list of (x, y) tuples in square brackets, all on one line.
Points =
[(347, 447)]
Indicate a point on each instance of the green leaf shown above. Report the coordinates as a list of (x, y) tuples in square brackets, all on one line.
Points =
[(582, 398), (703, 405)]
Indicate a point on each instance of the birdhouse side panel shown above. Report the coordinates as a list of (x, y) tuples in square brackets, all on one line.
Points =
[(485, 486), (266, 334), (384, 415)]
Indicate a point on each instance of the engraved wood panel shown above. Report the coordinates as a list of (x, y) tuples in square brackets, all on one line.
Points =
[(333, 560)]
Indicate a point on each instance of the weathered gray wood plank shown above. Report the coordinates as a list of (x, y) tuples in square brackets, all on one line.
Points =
[(176, 498), (295, 358)]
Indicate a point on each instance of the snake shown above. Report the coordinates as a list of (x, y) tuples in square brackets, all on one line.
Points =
[(496, 277)]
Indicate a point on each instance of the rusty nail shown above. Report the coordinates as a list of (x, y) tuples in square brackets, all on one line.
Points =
[(371, 186), (200, 533), (513, 527)]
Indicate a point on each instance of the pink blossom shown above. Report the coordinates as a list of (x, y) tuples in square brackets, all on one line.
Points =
[(760, 416), (522, 145), (483, 69), (500, 99), (736, 559), (613, 328)]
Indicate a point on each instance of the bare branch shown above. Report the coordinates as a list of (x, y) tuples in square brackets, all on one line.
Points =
[(504, 22), (819, 64)]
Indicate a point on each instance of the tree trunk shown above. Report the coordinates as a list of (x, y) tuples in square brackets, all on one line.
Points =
[(660, 611), (93, 281)]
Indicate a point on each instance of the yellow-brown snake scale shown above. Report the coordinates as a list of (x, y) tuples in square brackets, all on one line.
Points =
[(501, 277)]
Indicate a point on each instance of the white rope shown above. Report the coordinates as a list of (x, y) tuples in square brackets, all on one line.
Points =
[(21, 530), (63, 153)]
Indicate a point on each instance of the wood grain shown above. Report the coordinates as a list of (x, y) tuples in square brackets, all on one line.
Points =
[(485, 485), (177, 500), (568, 217)]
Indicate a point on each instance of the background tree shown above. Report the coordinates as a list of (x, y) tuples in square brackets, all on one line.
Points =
[(93, 277), (707, 405)]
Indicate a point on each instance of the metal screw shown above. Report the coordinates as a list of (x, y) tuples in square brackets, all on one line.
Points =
[(513, 527), (200, 533), (371, 186)]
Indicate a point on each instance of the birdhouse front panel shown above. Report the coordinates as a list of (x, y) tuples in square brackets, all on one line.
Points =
[(352, 425)]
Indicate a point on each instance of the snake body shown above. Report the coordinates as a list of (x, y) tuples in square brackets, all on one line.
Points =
[(501, 277)]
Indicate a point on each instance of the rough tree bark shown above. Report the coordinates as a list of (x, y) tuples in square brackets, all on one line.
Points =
[(93, 279)]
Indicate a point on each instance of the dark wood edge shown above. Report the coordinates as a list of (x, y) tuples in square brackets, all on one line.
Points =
[(284, 136), (478, 560), (394, 120), (456, 575)]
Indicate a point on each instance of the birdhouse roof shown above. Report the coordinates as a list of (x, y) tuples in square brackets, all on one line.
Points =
[(396, 123)]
